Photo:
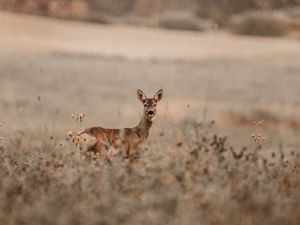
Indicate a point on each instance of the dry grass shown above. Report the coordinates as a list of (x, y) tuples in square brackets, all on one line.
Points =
[(200, 179)]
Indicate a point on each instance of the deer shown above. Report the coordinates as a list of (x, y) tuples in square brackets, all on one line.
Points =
[(99, 140)]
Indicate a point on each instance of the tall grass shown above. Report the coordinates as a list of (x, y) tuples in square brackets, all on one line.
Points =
[(195, 178)]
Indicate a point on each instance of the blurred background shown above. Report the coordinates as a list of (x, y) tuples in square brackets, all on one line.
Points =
[(222, 62), (273, 17)]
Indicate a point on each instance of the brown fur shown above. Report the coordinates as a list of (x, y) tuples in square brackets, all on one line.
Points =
[(100, 140)]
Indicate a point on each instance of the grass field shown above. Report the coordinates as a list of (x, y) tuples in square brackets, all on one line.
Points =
[(201, 164)]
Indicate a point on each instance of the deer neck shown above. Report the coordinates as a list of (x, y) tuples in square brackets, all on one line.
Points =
[(143, 128)]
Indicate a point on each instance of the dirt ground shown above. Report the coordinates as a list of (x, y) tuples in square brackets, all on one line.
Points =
[(51, 68)]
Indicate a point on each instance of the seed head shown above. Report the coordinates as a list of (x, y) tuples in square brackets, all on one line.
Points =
[(70, 134), (78, 117), (75, 116), (81, 116), (258, 123)]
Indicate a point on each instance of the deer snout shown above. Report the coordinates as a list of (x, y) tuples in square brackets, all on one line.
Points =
[(150, 112)]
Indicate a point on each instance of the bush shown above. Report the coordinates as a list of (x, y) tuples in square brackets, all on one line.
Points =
[(183, 21), (259, 23)]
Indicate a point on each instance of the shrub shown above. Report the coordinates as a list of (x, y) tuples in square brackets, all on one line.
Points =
[(182, 21), (259, 23)]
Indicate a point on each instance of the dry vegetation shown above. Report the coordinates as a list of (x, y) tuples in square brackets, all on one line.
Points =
[(171, 14), (198, 180), (204, 8)]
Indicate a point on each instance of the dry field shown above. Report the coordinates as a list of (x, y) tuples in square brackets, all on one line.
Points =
[(194, 169)]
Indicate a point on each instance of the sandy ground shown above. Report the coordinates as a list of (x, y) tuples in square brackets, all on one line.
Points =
[(81, 67)]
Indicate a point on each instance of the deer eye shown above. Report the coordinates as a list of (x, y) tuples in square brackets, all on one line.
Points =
[(145, 105)]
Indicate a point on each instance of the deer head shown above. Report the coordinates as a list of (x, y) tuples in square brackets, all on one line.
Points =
[(150, 103)]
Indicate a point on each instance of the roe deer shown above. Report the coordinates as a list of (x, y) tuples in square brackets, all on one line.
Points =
[(99, 140)]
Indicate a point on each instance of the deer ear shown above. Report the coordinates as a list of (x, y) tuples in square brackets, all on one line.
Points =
[(158, 96), (141, 96)]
